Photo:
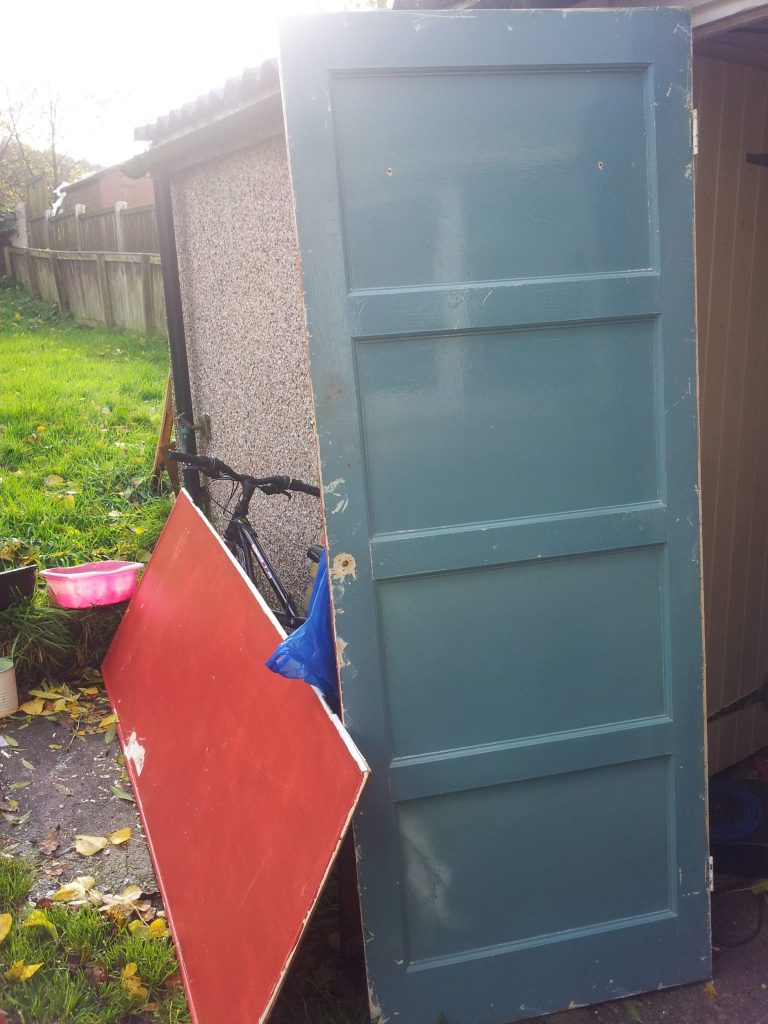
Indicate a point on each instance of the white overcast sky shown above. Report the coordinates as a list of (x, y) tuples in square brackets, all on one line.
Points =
[(117, 66)]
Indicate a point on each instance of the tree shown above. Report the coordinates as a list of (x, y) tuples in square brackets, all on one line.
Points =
[(31, 145)]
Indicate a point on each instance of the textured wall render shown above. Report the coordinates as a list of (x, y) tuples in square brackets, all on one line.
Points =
[(244, 321)]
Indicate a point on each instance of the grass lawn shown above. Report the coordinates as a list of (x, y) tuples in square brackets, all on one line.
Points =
[(79, 415)]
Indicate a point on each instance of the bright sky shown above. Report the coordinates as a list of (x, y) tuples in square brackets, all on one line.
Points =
[(117, 66)]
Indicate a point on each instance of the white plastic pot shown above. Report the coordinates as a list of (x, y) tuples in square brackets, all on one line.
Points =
[(9, 695)]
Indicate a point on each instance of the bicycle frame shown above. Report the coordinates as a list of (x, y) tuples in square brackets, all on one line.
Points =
[(244, 543), (240, 537)]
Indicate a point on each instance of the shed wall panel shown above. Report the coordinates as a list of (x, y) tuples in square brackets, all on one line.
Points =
[(244, 322)]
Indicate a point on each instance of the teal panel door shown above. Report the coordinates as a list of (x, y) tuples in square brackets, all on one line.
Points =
[(494, 213)]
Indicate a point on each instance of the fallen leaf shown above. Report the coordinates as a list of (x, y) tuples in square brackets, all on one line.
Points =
[(53, 480), (87, 846), (49, 846), (8, 741), (117, 912), (39, 919), (97, 976), (32, 707), (711, 992), (128, 903), (632, 1010), (105, 723), (6, 920), (90, 691), (69, 500), (54, 746), (122, 795), (16, 819), (53, 692), (131, 984), (109, 735), (20, 785), (77, 889), (27, 764), (159, 929), (21, 971), (122, 835)]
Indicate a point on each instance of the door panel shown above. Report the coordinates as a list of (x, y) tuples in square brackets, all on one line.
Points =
[(498, 407), (453, 907), (494, 211), (428, 184), (605, 610)]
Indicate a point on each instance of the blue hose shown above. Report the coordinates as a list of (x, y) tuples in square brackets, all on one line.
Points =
[(741, 811)]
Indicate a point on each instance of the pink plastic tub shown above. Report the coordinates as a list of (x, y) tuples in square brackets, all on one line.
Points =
[(95, 583)]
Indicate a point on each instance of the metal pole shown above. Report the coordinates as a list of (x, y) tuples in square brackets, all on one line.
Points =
[(176, 337)]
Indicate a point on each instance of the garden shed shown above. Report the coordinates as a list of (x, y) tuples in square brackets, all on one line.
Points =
[(496, 284)]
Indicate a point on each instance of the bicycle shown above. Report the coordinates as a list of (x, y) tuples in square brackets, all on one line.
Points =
[(240, 536)]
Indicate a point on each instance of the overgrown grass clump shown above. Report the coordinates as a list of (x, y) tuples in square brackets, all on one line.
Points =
[(79, 416), (51, 643), (93, 969), (16, 879)]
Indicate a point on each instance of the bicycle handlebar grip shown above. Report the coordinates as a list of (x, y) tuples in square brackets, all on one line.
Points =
[(299, 485), (204, 462)]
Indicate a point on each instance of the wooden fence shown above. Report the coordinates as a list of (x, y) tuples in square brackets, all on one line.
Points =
[(121, 229), (117, 289), (140, 229), (98, 232)]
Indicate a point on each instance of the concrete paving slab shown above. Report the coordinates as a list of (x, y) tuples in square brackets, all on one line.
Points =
[(69, 790)]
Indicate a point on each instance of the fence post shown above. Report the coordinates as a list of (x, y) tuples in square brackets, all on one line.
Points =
[(79, 211), (22, 228), (46, 229), (120, 205), (34, 277), (57, 283), (106, 298), (146, 291), (8, 263)]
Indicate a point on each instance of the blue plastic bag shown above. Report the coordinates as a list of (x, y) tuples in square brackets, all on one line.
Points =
[(308, 653)]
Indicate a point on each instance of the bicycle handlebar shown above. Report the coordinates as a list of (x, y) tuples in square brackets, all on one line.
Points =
[(208, 465), (269, 485)]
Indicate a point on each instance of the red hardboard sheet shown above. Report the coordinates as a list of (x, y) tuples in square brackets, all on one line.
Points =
[(245, 781)]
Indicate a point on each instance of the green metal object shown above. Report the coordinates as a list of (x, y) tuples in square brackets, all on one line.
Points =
[(494, 210)]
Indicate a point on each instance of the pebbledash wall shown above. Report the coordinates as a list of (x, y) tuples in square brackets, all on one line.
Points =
[(244, 322)]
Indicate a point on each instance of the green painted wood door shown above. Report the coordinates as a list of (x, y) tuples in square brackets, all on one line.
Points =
[(494, 213)]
